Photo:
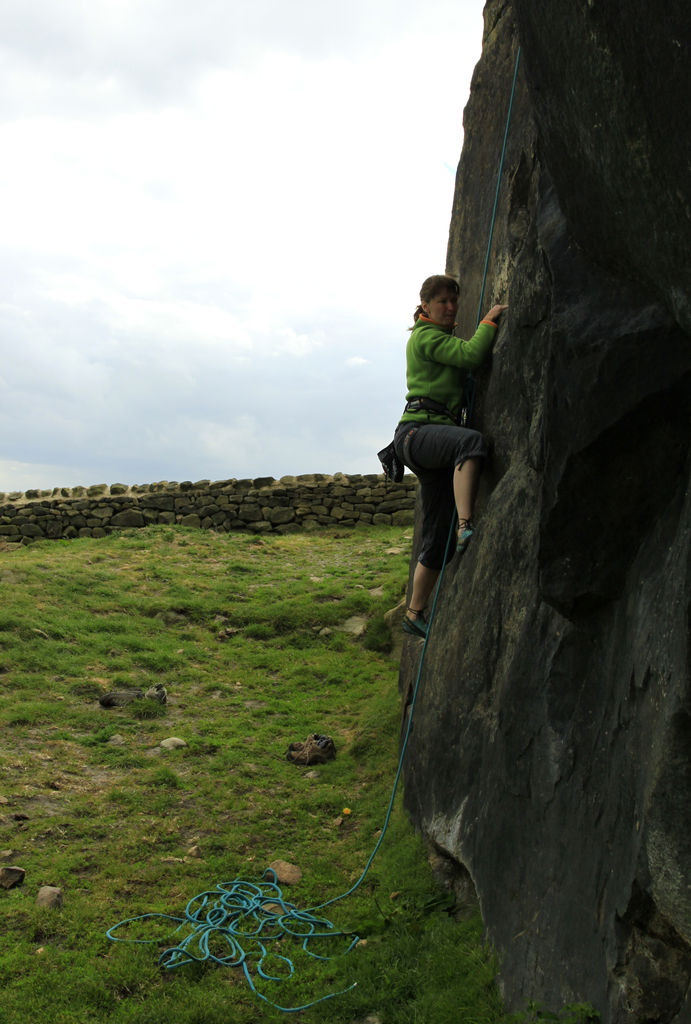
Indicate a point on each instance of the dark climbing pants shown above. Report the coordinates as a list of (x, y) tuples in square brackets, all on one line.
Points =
[(433, 451)]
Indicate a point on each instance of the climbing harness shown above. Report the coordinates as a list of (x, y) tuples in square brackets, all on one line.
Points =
[(428, 405), (233, 924)]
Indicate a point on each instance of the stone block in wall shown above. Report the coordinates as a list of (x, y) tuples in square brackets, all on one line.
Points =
[(280, 515), (380, 519), (403, 518), (158, 501), (260, 527), (119, 488), (191, 519), (96, 490), (396, 505), (9, 531), (69, 532), (129, 517), (166, 518), (250, 513), (54, 528)]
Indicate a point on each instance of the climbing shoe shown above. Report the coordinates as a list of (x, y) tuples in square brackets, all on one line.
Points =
[(465, 532), (416, 627)]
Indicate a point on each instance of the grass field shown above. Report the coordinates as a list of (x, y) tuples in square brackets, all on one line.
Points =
[(249, 637)]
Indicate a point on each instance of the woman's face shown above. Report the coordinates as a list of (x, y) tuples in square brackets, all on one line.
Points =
[(442, 308)]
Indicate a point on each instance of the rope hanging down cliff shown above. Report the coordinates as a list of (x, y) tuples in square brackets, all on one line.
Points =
[(233, 924)]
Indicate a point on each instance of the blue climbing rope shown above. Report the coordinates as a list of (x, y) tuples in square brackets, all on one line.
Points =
[(233, 924)]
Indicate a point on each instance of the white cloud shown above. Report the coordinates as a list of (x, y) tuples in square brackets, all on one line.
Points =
[(223, 198)]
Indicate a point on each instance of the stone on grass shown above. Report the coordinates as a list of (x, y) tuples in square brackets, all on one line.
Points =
[(356, 625), (11, 876), (173, 743), (286, 873), (49, 896)]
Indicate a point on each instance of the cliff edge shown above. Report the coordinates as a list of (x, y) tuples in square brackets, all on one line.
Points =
[(549, 759)]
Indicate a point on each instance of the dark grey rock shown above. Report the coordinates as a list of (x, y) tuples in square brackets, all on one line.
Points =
[(120, 698), (550, 754), (11, 876)]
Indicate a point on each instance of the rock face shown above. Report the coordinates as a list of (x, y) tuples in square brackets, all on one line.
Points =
[(550, 754)]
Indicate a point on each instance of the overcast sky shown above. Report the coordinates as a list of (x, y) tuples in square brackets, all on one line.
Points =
[(215, 219)]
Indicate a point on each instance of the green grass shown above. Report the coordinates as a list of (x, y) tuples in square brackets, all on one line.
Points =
[(244, 633)]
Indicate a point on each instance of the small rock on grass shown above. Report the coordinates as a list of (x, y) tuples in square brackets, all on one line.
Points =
[(11, 876), (286, 873), (172, 743), (49, 896)]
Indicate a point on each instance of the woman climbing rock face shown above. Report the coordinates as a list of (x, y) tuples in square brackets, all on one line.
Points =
[(446, 458)]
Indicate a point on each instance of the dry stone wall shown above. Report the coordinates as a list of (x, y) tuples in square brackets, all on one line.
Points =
[(262, 505)]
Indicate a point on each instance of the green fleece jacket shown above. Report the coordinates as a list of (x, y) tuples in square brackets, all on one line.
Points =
[(437, 363)]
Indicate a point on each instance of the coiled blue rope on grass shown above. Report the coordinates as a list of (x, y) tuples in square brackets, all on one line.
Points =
[(233, 924)]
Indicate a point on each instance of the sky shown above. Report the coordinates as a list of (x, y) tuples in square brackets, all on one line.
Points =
[(216, 218)]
